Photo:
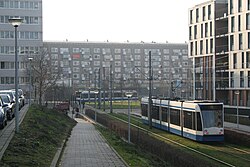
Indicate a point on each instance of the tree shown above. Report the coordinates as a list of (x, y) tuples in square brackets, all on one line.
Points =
[(44, 73)]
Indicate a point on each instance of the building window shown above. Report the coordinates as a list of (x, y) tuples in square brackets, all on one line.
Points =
[(201, 47), (248, 78), (211, 46), (209, 12), (137, 51), (211, 29), (190, 15), (232, 79), (76, 50), (196, 48), (248, 60), (248, 5), (232, 24), (240, 41), (117, 57), (191, 48), (231, 6), (248, 40), (54, 50), (240, 5), (117, 50), (242, 79), (204, 13), (248, 21), (235, 60), (190, 32), (195, 31), (96, 50), (197, 15), (206, 46), (206, 29), (201, 30), (231, 42), (239, 22), (242, 60)]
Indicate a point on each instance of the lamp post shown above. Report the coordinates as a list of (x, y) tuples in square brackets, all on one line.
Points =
[(129, 95), (16, 22), (237, 102), (95, 92), (30, 59)]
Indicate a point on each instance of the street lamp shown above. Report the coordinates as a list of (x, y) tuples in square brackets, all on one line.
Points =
[(129, 95), (16, 22), (30, 59), (237, 102), (95, 92)]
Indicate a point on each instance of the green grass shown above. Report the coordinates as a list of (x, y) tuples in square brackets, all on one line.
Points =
[(227, 155), (134, 156), (41, 134)]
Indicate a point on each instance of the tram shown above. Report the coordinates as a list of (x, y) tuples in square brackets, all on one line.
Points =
[(196, 120), (89, 96)]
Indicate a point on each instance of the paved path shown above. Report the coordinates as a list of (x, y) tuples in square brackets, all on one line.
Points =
[(7, 133), (87, 148)]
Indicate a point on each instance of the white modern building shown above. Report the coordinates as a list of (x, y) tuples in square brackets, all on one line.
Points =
[(219, 43)]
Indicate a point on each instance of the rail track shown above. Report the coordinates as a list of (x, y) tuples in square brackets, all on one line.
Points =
[(224, 154)]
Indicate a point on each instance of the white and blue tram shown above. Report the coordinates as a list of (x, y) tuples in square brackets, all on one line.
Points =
[(196, 120), (90, 96)]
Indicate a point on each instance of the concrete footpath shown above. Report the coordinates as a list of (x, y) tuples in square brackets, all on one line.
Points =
[(86, 147)]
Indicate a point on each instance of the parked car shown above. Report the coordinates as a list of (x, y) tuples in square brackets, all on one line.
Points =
[(9, 109), (12, 96), (21, 97), (3, 115)]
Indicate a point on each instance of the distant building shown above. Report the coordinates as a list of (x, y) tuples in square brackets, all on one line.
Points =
[(219, 43), (78, 64), (30, 39)]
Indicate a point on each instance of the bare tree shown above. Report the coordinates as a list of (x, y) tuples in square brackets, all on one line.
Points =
[(44, 73)]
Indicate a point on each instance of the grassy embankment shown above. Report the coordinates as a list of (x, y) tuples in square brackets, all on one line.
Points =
[(41, 134), (133, 155)]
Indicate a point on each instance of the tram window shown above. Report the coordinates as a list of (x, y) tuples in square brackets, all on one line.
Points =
[(155, 112), (175, 117), (199, 127), (219, 119), (188, 121), (144, 110), (194, 121), (164, 114)]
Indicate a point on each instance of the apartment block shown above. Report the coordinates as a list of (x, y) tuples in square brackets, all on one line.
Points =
[(219, 44), (29, 37), (125, 64)]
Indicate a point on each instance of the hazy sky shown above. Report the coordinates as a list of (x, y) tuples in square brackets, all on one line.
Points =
[(117, 20)]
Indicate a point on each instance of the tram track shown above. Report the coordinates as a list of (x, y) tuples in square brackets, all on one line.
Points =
[(209, 156)]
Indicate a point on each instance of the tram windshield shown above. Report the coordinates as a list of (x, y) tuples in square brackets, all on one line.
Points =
[(212, 116)]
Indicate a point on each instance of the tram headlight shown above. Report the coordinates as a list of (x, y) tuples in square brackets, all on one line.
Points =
[(205, 132)]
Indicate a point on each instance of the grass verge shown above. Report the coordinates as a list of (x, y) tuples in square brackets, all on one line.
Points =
[(41, 134), (133, 155)]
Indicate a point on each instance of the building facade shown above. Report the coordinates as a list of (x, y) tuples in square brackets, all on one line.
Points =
[(219, 43), (29, 38), (126, 65)]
